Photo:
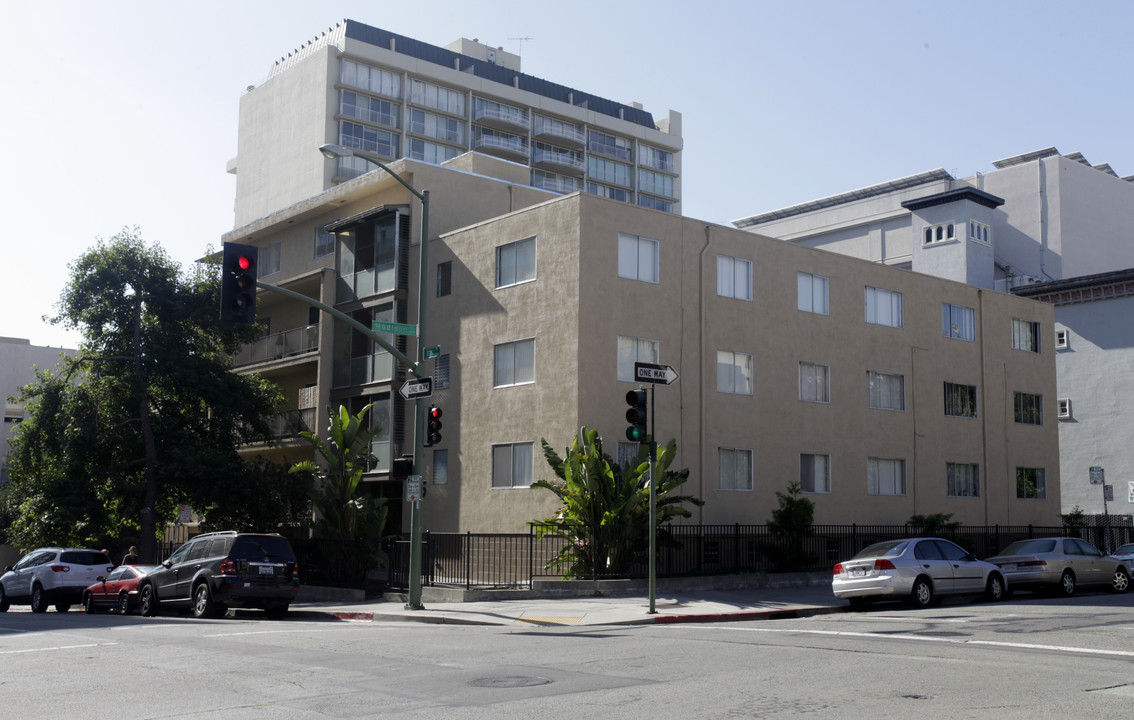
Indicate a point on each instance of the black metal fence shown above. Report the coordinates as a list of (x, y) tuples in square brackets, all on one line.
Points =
[(512, 560)]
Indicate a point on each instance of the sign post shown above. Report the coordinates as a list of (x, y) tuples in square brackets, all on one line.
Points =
[(654, 375)]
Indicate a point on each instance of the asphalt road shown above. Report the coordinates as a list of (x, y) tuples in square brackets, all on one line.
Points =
[(1032, 657)]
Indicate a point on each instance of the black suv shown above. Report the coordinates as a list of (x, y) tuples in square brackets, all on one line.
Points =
[(220, 570)]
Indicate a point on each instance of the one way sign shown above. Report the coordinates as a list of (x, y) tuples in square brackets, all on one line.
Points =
[(414, 389), (655, 374)]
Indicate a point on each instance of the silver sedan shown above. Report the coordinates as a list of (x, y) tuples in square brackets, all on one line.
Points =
[(915, 569), (1062, 564)]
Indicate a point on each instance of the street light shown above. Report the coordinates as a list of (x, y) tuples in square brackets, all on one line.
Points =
[(338, 151)]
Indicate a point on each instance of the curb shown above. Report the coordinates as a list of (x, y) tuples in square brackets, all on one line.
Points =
[(738, 616)]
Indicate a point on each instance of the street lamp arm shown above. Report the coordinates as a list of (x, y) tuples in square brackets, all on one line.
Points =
[(331, 150)]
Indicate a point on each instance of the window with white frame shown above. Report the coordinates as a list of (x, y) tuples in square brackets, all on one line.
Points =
[(885, 391), (960, 400), (1028, 408), (437, 97), (1062, 339), (515, 363), (962, 480), (440, 467), (324, 242), (942, 232), (734, 372), (883, 307), (632, 350), (734, 469), (979, 232), (815, 473), (812, 292), (1064, 408), (734, 277), (637, 258), (516, 263), (512, 465), (885, 476), (270, 259), (957, 321), (1031, 483), (814, 382), (369, 78), (1025, 335)]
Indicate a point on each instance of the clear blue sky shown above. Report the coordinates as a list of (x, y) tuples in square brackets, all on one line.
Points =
[(120, 114)]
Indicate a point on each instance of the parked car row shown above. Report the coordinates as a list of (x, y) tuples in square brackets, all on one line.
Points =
[(208, 574), (922, 570)]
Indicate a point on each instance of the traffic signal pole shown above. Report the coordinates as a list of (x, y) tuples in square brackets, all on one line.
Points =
[(653, 509)]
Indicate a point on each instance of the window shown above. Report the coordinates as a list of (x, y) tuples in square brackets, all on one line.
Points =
[(734, 277), (430, 152), (632, 350), (435, 126), (885, 391), (555, 182), (609, 171), (1025, 335), (883, 307), (370, 78), (492, 110), (620, 148), (437, 97), (813, 293), (655, 183), (444, 278), (512, 465), (441, 372), (270, 259), (815, 473), (368, 139), (324, 242), (515, 363), (657, 159), (734, 469), (962, 480), (1028, 408), (440, 467), (943, 232), (654, 203), (612, 193), (885, 476), (957, 321), (1031, 483), (637, 258), (734, 372), (960, 400), (371, 110), (515, 263), (814, 382), (979, 232), (1064, 408), (1062, 339)]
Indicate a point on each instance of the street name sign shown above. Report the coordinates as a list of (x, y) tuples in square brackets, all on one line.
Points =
[(655, 374), (414, 389), (381, 326), (432, 352)]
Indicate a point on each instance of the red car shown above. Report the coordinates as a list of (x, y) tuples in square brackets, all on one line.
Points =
[(119, 589)]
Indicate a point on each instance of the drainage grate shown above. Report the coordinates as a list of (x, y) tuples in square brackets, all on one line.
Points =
[(510, 681)]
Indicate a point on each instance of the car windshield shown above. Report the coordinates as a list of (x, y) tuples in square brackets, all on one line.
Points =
[(1028, 547), (85, 557), (1126, 549), (259, 548), (882, 549)]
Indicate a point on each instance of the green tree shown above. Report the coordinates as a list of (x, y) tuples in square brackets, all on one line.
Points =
[(933, 524), (346, 514), (269, 497), (789, 525), (604, 521), (148, 415)]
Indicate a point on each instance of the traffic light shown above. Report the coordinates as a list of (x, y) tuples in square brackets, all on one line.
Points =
[(433, 425), (238, 283), (636, 416), (402, 467)]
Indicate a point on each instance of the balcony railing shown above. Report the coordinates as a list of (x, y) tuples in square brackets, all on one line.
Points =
[(290, 423), (500, 114), (544, 156), (561, 131), (279, 345), (516, 145)]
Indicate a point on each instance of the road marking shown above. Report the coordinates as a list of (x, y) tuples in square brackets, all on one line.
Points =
[(953, 641), (60, 647)]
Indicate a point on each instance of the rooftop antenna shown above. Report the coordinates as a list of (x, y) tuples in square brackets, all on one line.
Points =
[(521, 39)]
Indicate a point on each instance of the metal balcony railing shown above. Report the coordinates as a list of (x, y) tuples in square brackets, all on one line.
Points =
[(279, 345)]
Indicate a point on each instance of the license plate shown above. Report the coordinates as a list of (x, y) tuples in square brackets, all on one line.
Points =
[(267, 570), (1010, 567), (858, 572)]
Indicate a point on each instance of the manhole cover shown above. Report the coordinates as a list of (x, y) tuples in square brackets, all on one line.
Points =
[(510, 681)]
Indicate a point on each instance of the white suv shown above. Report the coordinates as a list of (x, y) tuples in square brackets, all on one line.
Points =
[(52, 575)]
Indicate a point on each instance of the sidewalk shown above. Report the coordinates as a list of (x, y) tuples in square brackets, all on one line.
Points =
[(670, 607)]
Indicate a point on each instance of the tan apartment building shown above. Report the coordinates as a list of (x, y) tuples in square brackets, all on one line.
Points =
[(886, 393)]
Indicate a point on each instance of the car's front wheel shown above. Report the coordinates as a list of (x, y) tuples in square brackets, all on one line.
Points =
[(88, 603), (922, 594), (123, 603), (38, 599), (1121, 581), (148, 601), (994, 589), (203, 605), (4, 604)]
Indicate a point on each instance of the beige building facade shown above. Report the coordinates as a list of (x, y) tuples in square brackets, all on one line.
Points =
[(885, 392)]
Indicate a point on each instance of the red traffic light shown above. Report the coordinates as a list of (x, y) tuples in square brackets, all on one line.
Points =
[(433, 425), (244, 262), (434, 412)]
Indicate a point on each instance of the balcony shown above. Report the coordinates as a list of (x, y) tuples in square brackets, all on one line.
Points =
[(510, 146), (561, 132), (498, 115), (555, 183), (278, 346), (553, 158)]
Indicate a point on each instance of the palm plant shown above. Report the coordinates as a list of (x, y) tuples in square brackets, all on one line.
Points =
[(604, 521)]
